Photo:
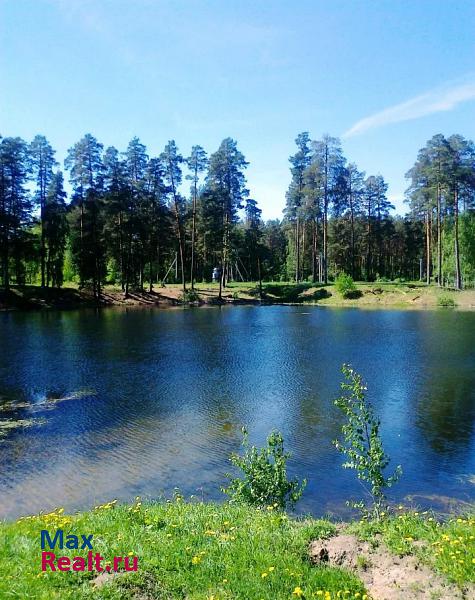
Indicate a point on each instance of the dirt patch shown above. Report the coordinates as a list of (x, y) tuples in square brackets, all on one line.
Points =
[(385, 575), (105, 577)]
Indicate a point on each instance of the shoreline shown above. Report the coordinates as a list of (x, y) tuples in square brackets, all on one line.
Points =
[(371, 296)]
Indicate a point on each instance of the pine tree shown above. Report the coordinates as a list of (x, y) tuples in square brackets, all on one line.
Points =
[(226, 185), (172, 160), (54, 230), (15, 207), (197, 163), (42, 161), (295, 195), (86, 173)]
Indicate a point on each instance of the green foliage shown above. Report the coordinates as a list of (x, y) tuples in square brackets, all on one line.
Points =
[(446, 301), (287, 292), (467, 250), (132, 209), (345, 285), (185, 550), (362, 444), (264, 482), (189, 296), (319, 529)]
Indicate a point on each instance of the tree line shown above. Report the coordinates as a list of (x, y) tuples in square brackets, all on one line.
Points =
[(130, 219), (338, 219)]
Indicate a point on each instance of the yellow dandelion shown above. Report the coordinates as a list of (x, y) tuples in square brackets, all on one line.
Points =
[(298, 591)]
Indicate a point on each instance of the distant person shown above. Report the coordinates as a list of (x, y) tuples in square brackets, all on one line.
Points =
[(216, 275)]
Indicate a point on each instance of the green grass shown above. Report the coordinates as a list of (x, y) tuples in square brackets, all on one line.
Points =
[(185, 550), (448, 547), (205, 551)]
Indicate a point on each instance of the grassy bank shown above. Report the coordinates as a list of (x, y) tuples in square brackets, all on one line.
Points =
[(368, 295), (208, 551)]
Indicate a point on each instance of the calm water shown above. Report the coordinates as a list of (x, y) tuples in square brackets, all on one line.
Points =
[(150, 400)]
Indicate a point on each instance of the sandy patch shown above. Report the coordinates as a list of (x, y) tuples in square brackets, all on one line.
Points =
[(386, 576)]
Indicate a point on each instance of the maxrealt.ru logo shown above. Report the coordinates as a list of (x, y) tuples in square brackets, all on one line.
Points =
[(83, 542)]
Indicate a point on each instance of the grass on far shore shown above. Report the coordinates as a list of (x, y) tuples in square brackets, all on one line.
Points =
[(368, 295), (205, 551)]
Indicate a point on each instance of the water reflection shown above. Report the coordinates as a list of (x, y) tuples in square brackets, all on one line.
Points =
[(150, 400)]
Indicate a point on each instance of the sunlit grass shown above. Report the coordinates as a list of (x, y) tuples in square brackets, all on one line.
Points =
[(448, 546), (185, 550)]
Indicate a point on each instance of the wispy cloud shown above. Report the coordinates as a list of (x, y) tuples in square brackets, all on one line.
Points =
[(437, 100)]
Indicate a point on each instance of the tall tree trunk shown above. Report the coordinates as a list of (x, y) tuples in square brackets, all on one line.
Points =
[(121, 254), (428, 248), (325, 220), (6, 260), (193, 233), (458, 274), (81, 245), (181, 245), (43, 243), (260, 276), (369, 251), (325, 243), (314, 250), (150, 263), (352, 226), (297, 250), (221, 276), (224, 255), (439, 239)]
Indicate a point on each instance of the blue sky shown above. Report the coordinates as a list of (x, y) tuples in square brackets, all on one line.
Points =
[(382, 75)]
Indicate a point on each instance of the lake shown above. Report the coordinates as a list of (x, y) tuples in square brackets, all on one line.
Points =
[(139, 401)]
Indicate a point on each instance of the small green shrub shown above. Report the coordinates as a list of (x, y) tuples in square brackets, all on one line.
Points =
[(264, 482), (362, 444), (319, 294), (446, 301), (345, 286), (189, 296)]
